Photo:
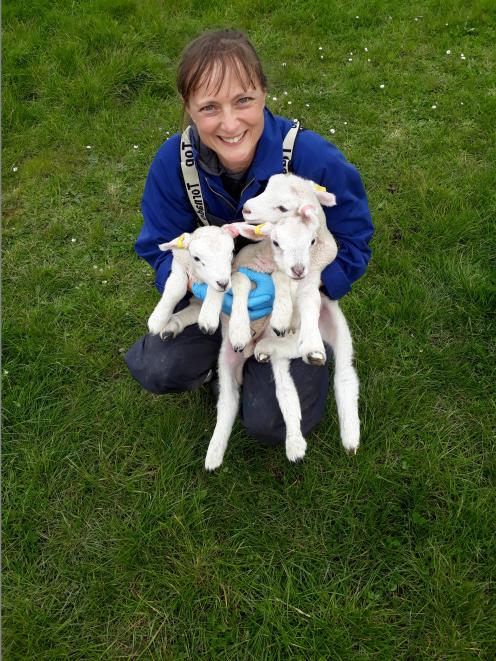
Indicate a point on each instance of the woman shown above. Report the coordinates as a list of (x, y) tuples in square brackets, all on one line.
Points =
[(232, 147)]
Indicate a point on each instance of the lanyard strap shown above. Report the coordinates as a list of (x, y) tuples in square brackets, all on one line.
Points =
[(190, 173), (190, 176), (288, 144)]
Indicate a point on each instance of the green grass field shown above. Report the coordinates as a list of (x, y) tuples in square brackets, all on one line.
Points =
[(116, 543)]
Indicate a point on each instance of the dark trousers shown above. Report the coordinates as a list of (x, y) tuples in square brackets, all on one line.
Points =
[(186, 362)]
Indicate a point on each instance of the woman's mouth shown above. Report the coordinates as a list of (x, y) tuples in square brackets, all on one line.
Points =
[(236, 139)]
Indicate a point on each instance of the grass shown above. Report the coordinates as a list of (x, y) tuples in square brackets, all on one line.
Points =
[(116, 544)]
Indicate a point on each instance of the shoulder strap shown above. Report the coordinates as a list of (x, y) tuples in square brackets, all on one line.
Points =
[(190, 176), (288, 144)]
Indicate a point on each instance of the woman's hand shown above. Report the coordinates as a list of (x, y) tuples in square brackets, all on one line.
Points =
[(260, 299)]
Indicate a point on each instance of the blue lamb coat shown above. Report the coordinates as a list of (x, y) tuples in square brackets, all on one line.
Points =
[(167, 211)]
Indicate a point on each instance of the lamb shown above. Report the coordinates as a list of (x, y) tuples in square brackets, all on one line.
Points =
[(205, 255), (300, 246)]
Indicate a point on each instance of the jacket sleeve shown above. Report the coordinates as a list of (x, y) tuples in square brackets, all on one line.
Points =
[(166, 210), (349, 221)]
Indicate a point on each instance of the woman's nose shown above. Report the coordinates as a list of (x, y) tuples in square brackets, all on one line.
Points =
[(230, 123)]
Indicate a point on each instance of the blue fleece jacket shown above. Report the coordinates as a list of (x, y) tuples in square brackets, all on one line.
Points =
[(167, 211)]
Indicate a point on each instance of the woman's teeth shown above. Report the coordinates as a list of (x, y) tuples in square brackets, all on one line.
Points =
[(233, 140)]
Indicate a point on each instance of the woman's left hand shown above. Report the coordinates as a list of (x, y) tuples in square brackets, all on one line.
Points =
[(260, 299)]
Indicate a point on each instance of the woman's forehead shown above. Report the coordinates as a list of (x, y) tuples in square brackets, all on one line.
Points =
[(225, 78)]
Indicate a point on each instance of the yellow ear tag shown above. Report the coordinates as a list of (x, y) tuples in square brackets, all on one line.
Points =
[(180, 241), (319, 189), (258, 229)]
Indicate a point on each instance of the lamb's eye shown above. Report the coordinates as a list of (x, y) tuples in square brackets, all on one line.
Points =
[(281, 208), (276, 244), (313, 241), (197, 259)]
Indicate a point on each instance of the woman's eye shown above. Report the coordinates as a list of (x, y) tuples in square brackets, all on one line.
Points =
[(197, 259), (276, 244), (207, 108), (281, 208), (245, 99)]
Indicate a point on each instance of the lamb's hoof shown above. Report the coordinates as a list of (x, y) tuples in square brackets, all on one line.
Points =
[(167, 335), (296, 448), (238, 348), (207, 330), (280, 332), (351, 451), (262, 357), (314, 358)]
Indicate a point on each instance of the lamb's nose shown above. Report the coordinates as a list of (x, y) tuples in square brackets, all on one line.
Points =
[(223, 284), (298, 270)]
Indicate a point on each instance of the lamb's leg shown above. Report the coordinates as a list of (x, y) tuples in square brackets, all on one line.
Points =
[(175, 288), (208, 320), (335, 328), (311, 345), (280, 319), (269, 348), (227, 404), (179, 320), (289, 403), (239, 323)]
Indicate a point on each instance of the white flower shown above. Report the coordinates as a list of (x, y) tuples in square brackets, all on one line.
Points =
[(357, 16), (88, 146), (285, 93), (5, 372), (135, 146), (434, 107), (320, 47), (289, 103), (382, 86), (448, 52), (461, 103), (104, 282), (307, 105), (366, 49), (274, 98), (345, 123), (73, 240), (333, 131), (321, 57), (351, 53), (284, 64), (350, 59), (15, 168), (368, 60)]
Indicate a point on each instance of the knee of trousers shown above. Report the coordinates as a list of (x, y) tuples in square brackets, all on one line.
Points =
[(260, 412), (183, 363)]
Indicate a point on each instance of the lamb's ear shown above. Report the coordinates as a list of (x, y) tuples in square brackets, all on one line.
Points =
[(232, 229), (326, 199), (308, 212), (182, 241), (254, 232)]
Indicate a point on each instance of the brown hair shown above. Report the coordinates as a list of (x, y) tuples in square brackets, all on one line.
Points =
[(208, 58)]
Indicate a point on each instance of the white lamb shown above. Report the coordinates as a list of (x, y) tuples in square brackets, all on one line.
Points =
[(300, 246), (206, 256)]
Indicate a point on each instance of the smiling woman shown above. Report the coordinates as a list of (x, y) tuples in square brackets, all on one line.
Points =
[(226, 155)]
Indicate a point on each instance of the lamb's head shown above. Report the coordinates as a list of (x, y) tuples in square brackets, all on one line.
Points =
[(284, 196), (211, 252), (292, 240)]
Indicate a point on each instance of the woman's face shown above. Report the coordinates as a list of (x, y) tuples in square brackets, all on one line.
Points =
[(229, 121)]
